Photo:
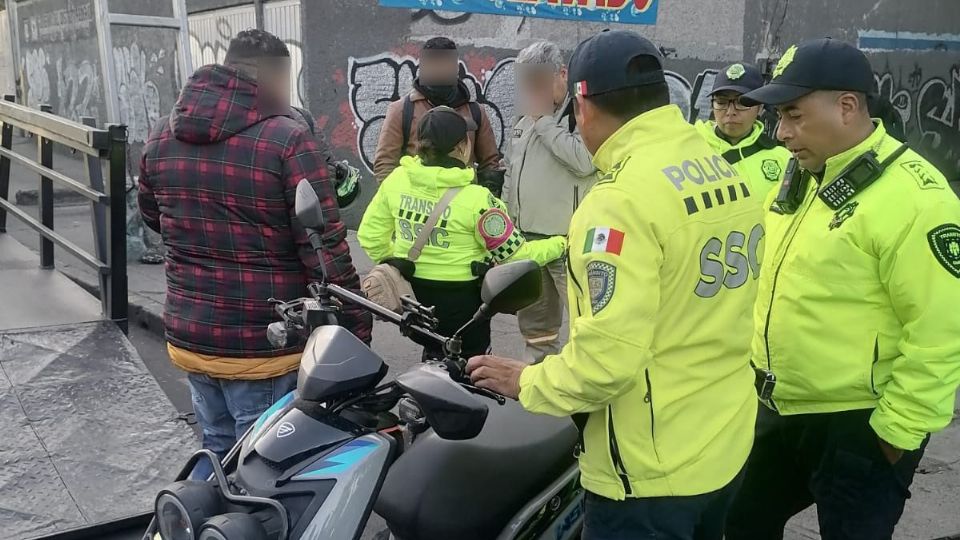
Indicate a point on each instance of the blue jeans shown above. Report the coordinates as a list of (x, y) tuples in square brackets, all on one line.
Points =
[(697, 517), (226, 409)]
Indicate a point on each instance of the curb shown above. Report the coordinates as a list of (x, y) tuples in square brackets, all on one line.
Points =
[(139, 312), (61, 197)]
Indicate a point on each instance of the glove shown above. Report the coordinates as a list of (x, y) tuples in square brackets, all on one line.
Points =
[(480, 268), (492, 180)]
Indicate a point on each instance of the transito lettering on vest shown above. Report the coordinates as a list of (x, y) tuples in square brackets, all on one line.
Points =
[(421, 206), (698, 171)]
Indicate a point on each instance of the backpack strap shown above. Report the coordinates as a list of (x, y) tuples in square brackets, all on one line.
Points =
[(424, 236), (476, 113), (407, 123)]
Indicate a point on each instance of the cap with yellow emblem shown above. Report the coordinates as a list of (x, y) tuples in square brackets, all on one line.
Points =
[(819, 64), (740, 78)]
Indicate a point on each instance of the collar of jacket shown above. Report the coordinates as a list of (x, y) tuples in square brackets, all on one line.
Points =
[(652, 126), (709, 131), (435, 178), (836, 164)]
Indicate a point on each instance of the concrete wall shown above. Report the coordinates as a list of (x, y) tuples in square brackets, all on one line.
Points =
[(359, 57), (914, 48), (7, 70)]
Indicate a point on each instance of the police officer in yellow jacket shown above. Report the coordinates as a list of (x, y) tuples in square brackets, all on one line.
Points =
[(737, 135), (473, 229), (857, 309), (663, 266)]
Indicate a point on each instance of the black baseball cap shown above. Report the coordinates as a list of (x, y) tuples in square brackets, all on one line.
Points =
[(740, 78), (599, 64), (445, 128), (819, 64)]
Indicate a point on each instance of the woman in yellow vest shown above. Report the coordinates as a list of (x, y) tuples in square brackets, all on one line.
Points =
[(473, 227)]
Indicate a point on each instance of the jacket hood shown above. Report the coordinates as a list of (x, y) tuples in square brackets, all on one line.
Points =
[(435, 178), (217, 103)]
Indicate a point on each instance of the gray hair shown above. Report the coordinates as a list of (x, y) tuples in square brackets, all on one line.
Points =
[(542, 52)]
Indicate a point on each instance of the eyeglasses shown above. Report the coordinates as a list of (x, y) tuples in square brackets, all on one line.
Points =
[(721, 104)]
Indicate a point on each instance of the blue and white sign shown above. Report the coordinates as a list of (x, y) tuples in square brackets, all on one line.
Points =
[(608, 11)]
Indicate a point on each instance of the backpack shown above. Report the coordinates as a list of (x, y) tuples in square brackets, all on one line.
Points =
[(475, 112), (385, 284)]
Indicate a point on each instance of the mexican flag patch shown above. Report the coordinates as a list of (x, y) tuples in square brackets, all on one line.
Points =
[(604, 240)]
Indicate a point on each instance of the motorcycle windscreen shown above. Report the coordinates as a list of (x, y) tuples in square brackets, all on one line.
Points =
[(451, 411)]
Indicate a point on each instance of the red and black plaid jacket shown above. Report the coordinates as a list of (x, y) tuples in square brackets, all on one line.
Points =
[(218, 180)]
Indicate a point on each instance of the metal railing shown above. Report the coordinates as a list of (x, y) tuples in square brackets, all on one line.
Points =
[(108, 207)]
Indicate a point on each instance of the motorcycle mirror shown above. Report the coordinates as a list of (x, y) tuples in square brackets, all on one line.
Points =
[(307, 207), (452, 412), (277, 334), (510, 287)]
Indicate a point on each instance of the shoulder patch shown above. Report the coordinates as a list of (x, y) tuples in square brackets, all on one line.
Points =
[(494, 227), (945, 245), (919, 171), (602, 281), (771, 169)]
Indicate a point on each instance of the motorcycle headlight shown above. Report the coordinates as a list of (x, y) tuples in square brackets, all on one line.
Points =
[(234, 526), (182, 507)]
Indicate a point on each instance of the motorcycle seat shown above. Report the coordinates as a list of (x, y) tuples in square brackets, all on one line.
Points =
[(470, 489)]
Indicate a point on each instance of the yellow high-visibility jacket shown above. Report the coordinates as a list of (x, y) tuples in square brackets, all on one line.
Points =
[(663, 262)]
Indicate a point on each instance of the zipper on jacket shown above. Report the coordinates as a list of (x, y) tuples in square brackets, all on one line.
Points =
[(648, 399), (876, 358), (773, 288), (615, 453), (576, 198), (573, 278)]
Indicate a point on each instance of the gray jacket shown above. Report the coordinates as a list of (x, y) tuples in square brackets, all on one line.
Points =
[(549, 170)]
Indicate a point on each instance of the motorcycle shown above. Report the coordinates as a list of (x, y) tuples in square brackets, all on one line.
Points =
[(454, 461)]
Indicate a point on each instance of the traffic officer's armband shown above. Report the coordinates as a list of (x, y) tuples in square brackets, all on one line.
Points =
[(792, 189), (857, 177)]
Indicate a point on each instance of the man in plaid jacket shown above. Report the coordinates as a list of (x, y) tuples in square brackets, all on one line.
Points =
[(218, 180)]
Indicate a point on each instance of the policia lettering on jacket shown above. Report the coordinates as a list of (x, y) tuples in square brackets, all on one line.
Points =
[(663, 260)]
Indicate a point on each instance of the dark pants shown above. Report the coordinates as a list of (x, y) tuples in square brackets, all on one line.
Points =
[(833, 460), (697, 517), (455, 303)]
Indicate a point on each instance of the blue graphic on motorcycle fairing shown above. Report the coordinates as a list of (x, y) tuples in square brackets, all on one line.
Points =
[(276, 407), (340, 460)]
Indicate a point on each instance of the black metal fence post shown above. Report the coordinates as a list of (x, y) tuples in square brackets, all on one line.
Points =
[(45, 150), (6, 141), (116, 293), (98, 209)]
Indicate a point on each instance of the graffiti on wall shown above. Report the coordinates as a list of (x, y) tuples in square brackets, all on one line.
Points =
[(930, 110), (138, 94), (211, 32), (376, 81), (59, 64)]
